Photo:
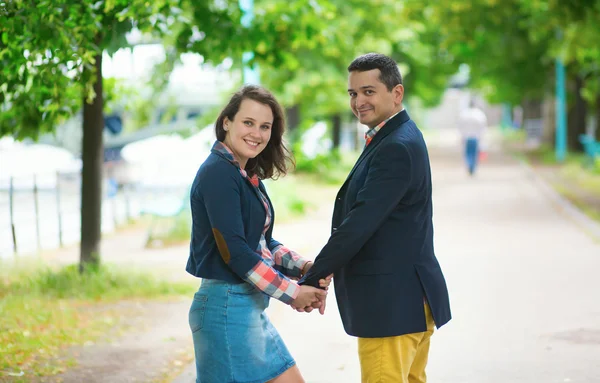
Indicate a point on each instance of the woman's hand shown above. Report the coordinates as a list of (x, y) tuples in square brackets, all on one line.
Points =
[(308, 296)]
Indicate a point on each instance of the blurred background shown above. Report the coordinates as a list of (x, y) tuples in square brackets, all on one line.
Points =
[(107, 110)]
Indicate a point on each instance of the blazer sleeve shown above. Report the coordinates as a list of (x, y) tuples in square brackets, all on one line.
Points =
[(222, 200), (388, 179)]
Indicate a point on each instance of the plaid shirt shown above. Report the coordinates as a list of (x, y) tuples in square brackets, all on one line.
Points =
[(372, 132), (271, 274)]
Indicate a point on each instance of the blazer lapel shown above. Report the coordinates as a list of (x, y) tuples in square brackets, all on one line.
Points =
[(391, 125), (246, 180)]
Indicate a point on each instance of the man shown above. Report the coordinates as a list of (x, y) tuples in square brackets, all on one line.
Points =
[(473, 124), (387, 279)]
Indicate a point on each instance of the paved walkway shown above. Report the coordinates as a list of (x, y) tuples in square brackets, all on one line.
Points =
[(522, 273)]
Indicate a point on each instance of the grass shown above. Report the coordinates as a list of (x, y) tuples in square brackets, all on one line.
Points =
[(44, 310), (575, 179)]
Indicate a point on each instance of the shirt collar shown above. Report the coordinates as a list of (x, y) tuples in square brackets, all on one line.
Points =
[(222, 149), (373, 131)]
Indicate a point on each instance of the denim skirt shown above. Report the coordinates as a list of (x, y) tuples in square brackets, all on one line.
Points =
[(234, 340)]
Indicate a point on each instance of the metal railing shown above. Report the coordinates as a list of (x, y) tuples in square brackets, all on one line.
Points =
[(44, 212)]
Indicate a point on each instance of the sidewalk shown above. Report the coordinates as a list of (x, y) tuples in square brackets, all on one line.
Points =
[(522, 276)]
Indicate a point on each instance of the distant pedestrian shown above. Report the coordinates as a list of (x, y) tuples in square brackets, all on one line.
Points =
[(472, 126)]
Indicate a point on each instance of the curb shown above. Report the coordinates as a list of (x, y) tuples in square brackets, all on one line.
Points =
[(563, 205)]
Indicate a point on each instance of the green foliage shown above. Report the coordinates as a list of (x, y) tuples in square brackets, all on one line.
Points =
[(320, 164), (289, 199), (492, 37), (329, 168)]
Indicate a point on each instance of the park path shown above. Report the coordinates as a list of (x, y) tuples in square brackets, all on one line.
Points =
[(522, 270)]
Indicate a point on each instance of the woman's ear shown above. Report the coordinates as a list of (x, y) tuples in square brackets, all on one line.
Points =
[(226, 123)]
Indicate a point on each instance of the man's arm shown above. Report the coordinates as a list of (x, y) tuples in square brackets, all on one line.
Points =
[(388, 179)]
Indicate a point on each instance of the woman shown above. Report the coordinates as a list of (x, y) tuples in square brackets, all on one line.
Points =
[(232, 250)]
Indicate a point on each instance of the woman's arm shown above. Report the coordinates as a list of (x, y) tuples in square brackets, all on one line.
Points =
[(221, 197)]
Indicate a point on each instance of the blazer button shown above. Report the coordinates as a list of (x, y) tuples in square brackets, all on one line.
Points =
[(334, 229)]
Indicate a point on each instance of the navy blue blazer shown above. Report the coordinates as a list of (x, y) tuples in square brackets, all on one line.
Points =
[(381, 246), (225, 208)]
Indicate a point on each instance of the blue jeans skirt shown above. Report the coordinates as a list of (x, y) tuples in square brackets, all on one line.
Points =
[(234, 340)]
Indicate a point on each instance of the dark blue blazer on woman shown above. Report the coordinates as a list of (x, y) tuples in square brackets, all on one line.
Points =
[(226, 208), (381, 246)]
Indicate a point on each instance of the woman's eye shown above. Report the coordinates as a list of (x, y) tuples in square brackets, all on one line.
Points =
[(248, 123), (266, 127)]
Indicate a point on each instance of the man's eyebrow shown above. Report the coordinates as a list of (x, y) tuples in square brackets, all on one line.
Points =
[(362, 87)]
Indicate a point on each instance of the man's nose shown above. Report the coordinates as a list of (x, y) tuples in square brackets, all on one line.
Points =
[(360, 101)]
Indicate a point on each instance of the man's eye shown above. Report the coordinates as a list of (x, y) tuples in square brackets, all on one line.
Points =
[(352, 94), (369, 92)]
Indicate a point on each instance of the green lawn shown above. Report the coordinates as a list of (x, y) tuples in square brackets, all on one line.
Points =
[(575, 179), (44, 310)]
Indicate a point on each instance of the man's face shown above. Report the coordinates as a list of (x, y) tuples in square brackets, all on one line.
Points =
[(370, 99)]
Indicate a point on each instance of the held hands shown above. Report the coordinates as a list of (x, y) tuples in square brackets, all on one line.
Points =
[(308, 297), (321, 298)]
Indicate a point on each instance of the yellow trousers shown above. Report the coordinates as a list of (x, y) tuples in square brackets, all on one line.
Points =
[(398, 359)]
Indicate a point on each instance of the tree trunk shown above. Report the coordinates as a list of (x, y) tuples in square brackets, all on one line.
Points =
[(532, 121), (549, 119), (293, 117), (91, 176), (532, 109), (359, 141), (336, 125), (577, 117)]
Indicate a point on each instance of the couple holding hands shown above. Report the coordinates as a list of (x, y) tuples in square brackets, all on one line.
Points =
[(389, 286)]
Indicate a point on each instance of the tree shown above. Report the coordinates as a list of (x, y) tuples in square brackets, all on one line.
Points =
[(491, 37), (51, 57), (574, 26), (305, 62)]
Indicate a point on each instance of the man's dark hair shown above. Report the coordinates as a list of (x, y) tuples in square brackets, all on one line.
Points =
[(390, 75)]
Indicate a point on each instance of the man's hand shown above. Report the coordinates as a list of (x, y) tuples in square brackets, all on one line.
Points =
[(324, 283)]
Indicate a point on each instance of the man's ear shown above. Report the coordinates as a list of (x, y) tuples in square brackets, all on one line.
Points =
[(398, 92)]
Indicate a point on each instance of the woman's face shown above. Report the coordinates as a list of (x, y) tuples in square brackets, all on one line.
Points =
[(250, 131)]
